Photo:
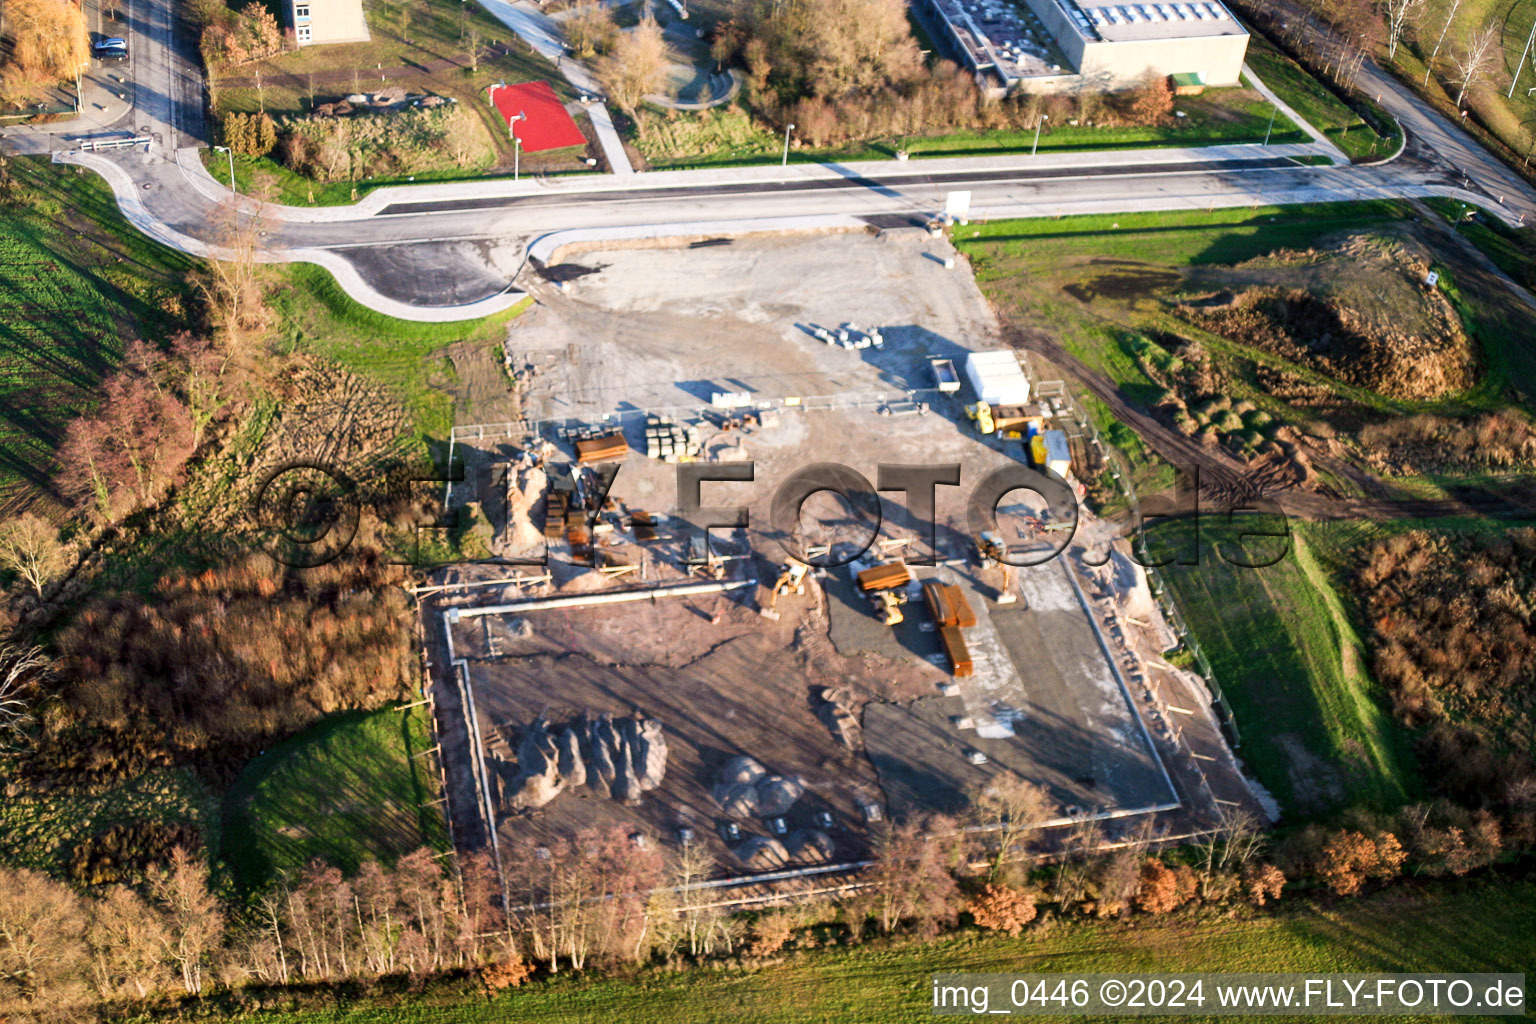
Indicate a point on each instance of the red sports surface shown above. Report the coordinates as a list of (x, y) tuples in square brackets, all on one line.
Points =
[(544, 124)]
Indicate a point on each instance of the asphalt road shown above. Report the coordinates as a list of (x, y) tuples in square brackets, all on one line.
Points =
[(368, 246)]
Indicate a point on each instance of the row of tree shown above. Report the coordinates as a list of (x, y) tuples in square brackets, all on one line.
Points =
[(603, 898)]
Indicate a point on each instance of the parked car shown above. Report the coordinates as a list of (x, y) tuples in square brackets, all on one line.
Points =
[(112, 50)]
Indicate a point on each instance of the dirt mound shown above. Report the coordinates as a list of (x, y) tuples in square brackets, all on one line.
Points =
[(1360, 314)]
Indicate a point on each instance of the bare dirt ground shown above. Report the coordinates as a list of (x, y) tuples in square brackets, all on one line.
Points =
[(663, 331)]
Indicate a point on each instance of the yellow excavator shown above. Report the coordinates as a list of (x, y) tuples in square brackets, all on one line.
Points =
[(888, 607), (981, 414), (791, 581)]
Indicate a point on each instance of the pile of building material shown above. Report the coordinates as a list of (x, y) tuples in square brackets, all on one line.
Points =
[(609, 446), (951, 613), (526, 489), (887, 576), (615, 758), (745, 789), (836, 712), (670, 441), (851, 337), (948, 605), (997, 378)]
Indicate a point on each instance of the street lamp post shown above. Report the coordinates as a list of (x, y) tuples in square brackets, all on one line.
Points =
[(787, 129), (1274, 111), (1038, 125), (231, 154), (517, 143)]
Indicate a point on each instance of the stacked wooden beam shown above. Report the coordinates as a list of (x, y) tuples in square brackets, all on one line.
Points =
[(888, 576), (602, 448), (959, 655), (554, 515), (948, 605)]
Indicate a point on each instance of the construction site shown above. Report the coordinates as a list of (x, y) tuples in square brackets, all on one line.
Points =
[(776, 688)]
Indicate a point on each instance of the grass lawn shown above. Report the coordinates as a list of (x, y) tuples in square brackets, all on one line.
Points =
[(1293, 668), (1474, 926), (77, 283), (317, 316), (40, 827), (1220, 117), (347, 789), (1513, 250), (1315, 102)]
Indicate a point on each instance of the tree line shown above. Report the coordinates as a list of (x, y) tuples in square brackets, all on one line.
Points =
[(610, 898)]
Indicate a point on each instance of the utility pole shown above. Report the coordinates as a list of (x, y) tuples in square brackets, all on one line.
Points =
[(1038, 124), (1274, 112), (787, 129), (1523, 54)]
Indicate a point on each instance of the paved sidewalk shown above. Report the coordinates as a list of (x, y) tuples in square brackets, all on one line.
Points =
[(1338, 155)]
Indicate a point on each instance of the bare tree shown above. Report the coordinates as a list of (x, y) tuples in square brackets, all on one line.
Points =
[(30, 547), (231, 285), (1450, 16), (125, 938), (41, 950), (693, 864), (1011, 807), (635, 67), (20, 669), (591, 30), (193, 923), (1479, 58), (1399, 13)]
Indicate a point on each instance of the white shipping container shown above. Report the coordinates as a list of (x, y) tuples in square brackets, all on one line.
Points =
[(997, 378), (1058, 454)]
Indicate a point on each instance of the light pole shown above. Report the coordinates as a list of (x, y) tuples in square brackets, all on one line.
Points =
[(517, 143), (1038, 124), (1274, 111), (231, 154), (787, 129)]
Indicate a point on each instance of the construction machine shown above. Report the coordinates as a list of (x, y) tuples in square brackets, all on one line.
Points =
[(791, 581), (992, 553), (888, 607), (981, 414)]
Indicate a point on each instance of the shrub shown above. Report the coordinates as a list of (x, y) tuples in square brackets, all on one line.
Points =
[(409, 142), (249, 134), (1002, 908)]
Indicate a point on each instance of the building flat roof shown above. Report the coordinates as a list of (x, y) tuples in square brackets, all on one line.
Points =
[(1134, 22)]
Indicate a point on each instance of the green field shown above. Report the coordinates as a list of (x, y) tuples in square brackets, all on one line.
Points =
[(1483, 926), (347, 789), (76, 284), (318, 317), (1315, 731)]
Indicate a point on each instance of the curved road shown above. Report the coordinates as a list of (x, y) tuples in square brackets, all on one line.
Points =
[(451, 251)]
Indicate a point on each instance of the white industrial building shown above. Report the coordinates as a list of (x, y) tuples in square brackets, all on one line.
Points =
[(997, 378), (1057, 45)]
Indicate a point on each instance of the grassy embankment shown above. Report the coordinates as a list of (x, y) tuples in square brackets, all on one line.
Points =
[(81, 283), (728, 137), (76, 285), (345, 790), (1315, 103), (1478, 926)]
